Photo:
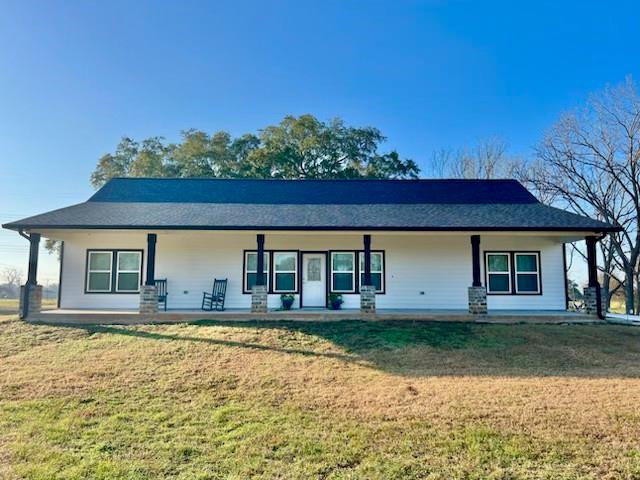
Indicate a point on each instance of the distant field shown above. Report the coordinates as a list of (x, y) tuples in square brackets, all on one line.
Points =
[(333, 400), (10, 305)]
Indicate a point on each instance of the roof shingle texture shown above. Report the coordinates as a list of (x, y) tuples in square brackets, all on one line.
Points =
[(309, 205)]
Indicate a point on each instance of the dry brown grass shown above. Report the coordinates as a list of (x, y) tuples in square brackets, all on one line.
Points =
[(336, 400)]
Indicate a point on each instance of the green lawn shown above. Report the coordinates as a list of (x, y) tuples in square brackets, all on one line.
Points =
[(319, 400)]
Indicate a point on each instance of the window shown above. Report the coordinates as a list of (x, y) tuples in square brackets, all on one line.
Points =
[(128, 271), (513, 273), (527, 266), (251, 269), (114, 271), (285, 271), (342, 271), (498, 272), (377, 274), (99, 271), (314, 270)]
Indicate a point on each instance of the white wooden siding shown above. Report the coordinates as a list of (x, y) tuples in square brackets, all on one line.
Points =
[(422, 271)]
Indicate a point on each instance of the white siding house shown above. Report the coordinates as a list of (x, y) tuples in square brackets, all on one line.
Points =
[(449, 245)]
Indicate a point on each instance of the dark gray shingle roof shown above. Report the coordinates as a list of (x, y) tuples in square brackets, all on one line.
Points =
[(516, 209)]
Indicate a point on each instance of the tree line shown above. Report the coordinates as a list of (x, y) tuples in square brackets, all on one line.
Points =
[(588, 162)]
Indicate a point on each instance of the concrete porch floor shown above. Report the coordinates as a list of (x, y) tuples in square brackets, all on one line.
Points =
[(133, 317)]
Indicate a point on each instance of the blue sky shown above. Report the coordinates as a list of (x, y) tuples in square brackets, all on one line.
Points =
[(75, 76)]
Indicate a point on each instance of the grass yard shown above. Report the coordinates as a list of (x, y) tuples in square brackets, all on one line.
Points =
[(319, 400)]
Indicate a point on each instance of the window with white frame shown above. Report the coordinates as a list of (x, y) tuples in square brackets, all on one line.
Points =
[(285, 272), (99, 271), (251, 269), (343, 272), (128, 266), (498, 267), (527, 271), (114, 271), (377, 272)]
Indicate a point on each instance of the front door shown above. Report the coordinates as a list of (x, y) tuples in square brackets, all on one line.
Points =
[(314, 279)]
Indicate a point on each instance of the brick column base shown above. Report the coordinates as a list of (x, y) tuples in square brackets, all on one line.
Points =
[(591, 300), (368, 299), (259, 299), (35, 300), (148, 299), (478, 300)]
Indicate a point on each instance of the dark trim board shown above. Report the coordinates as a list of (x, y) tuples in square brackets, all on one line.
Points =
[(479, 229), (512, 272), (114, 270)]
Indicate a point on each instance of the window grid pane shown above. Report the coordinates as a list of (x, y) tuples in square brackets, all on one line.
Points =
[(499, 283), (498, 263), (99, 282), (342, 262), (526, 263)]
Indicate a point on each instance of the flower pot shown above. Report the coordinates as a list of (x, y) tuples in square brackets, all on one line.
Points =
[(287, 303)]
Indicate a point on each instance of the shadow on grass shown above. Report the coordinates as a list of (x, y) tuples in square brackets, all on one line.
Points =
[(418, 348)]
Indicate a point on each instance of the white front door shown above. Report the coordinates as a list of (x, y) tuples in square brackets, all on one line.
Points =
[(314, 280)]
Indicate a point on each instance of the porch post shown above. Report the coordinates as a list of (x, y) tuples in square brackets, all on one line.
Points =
[(367, 289), (34, 244), (260, 280), (592, 299), (151, 259), (259, 292), (149, 291), (477, 293), (31, 292)]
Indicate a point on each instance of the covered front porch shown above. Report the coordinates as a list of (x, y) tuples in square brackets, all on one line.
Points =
[(438, 276), (133, 317)]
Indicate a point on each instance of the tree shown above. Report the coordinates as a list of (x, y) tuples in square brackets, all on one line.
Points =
[(12, 276), (295, 148), (589, 162), (488, 159)]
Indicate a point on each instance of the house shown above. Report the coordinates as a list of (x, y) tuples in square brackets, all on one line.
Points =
[(466, 245)]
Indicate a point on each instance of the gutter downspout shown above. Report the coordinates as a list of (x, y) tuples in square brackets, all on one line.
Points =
[(601, 316)]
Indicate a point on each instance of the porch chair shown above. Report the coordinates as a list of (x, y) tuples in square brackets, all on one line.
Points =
[(215, 299), (161, 287)]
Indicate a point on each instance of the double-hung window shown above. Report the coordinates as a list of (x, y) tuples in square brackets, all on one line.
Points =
[(285, 272), (99, 270), (377, 273), (343, 272), (251, 269), (498, 272), (128, 271), (515, 273), (527, 271), (114, 271)]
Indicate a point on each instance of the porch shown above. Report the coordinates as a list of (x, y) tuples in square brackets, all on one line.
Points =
[(133, 317)]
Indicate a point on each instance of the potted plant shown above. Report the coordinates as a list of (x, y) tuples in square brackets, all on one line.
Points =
[(335, 301), (287, 301)]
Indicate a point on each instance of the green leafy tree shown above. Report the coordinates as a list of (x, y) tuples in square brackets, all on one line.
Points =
[(296, 148)]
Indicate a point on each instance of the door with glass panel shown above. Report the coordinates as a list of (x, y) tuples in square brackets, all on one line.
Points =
[(314, 280)]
